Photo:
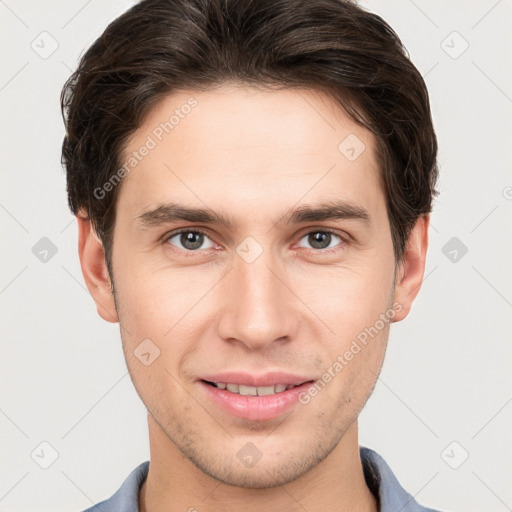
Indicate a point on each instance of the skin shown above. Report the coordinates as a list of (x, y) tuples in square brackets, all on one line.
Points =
[(254, 155)]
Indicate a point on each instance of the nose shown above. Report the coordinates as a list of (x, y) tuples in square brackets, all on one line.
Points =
[(258, 307)]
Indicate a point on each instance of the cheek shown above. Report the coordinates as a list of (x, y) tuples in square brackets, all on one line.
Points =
[(153, 302), (155, 335), (348, 299), (158, 313), (355, 366), (158, 388), (354, 304)]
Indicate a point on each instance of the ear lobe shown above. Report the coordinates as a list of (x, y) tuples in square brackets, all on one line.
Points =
[(94, 269), (410, 275)]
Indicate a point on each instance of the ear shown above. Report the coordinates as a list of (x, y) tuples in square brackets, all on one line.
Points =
[(409, 276), (94, 269)]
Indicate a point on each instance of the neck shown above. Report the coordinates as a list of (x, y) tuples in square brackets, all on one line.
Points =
[(174, 484)]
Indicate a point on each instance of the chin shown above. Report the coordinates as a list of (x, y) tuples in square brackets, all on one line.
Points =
[(273, 470), (262, 478)]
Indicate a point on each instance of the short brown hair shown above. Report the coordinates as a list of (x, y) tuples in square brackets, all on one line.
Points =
[(333, 46)]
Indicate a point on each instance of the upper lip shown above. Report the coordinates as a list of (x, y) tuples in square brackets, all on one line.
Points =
[(266, 379)]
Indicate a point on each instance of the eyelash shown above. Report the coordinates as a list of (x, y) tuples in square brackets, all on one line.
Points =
[(344, 240)]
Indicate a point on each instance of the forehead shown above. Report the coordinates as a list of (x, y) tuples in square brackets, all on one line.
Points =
[(245, 149)]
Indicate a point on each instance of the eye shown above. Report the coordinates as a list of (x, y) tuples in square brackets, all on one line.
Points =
[(322, 239), (190, 240)]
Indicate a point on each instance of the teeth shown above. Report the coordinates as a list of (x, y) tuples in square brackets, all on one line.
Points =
[(253, 391), (247, 390), (266, 390)]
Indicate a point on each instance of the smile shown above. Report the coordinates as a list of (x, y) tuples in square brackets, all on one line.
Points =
[(254, 403), (241, 389)]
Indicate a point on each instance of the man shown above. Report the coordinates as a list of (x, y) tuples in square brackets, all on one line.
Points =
[(252, 182)]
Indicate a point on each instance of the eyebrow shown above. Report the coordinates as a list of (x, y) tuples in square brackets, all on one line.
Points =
[(172, 212)]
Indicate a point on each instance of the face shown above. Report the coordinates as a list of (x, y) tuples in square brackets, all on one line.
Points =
[(257, 291)]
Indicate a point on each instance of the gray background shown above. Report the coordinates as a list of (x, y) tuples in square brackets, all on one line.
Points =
[(444, 392)]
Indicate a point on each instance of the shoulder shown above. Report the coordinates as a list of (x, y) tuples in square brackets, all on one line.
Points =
[(126, 498), (385, 486)]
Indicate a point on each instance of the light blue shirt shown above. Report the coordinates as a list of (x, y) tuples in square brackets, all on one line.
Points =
[(379, 478)]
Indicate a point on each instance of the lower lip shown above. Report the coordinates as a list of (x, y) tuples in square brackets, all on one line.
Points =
[(255, 408)]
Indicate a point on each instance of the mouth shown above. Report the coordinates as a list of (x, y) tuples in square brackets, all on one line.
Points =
[(255, 398), (241, 389)]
